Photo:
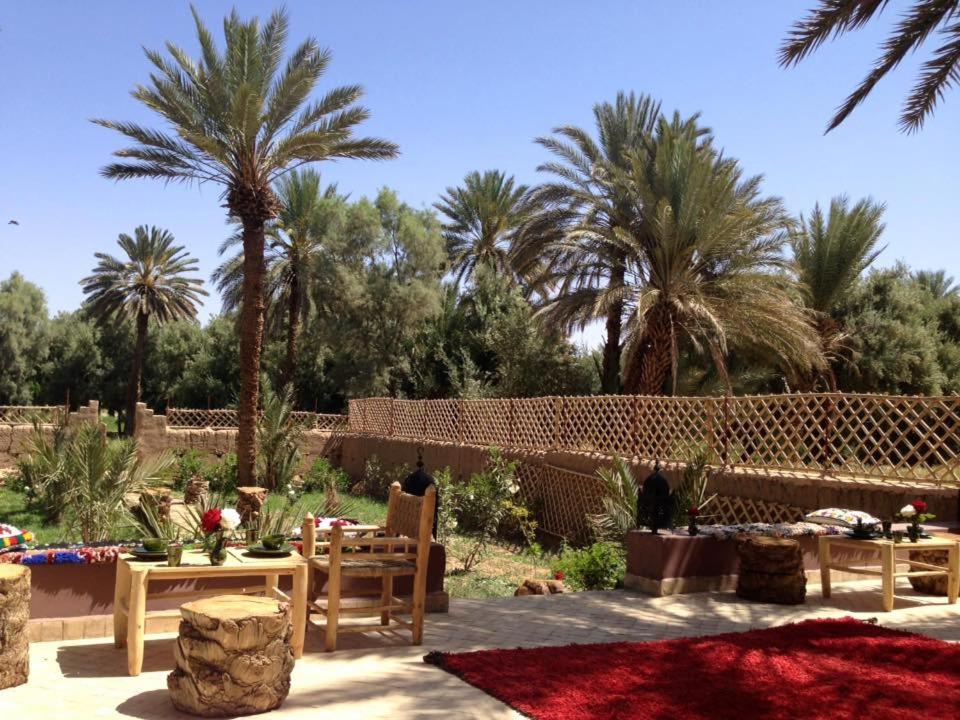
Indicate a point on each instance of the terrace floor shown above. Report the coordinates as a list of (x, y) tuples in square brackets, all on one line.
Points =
[(383, 677)]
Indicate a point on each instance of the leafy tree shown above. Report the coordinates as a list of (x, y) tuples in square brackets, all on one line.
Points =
[(481, 218), (940, 285), (242, 120), (570, 237), (75, 366), (211, 377), (832, 18), (830, 253), (295, 245), (23, 339), (151, 281), (172, 348)]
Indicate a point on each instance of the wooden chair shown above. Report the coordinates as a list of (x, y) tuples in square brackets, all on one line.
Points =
[(400, 548)]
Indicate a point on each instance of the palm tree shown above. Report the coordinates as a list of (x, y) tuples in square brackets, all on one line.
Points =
[(938, 283), (574, 220), (295, 242), (832, 18), (705, 264), (150, 282), (482, 216), (242, 119), (830, 253)]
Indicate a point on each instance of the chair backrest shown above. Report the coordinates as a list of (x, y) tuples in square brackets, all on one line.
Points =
[(411, 515)]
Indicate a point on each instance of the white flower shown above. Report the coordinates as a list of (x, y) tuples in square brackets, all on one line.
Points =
[(229, 519), (908, 511)]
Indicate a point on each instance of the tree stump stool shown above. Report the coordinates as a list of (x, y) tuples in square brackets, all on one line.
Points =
[(936, 584), (14, 614), (249, 502), (196, 491), (771, 570), (233, 656)]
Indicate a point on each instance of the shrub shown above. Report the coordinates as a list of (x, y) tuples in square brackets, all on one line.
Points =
[(378, 479), (222, 476), (189, 465), (446, 505), (600, 566), (279, 438), (322, 475)]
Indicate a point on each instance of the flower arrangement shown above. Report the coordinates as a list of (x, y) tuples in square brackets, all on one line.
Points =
[(692, 514), (915, 513), (216, 523)]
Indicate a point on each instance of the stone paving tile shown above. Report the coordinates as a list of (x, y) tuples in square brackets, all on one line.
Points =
[(381, 676)]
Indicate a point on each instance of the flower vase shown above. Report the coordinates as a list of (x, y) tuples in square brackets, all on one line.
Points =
[(692, 528), (218, 555), (914, 532)]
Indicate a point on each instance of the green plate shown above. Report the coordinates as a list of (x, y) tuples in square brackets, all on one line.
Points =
[(141, 553), (261, 551)]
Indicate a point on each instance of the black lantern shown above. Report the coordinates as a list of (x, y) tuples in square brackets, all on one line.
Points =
[(655, 504), (417, 482)]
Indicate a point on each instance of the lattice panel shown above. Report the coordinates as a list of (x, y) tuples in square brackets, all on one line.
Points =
[(195, 418), (564, 499), (785, 431), (487, 422), (674, 429), (28, 414), (356, 415), (730, 510), (408, 419), (326, 421), (378, 416), (442, 420), (536, 422), (599, 424)]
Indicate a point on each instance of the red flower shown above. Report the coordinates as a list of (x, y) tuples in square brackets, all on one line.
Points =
[(559, 576), (693, 512), (211, 520), (920, 506)]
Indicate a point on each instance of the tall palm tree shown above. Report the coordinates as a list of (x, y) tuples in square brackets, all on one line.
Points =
[(242, 119), (482, 216), (574, 220), (921, 19), (829, 253), (705, 266), (295, 242), (149, 283)]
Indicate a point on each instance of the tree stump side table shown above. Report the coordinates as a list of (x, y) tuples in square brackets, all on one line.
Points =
[(249, 502), (931, 584), (771, 571), (14, 614), (233, 656)]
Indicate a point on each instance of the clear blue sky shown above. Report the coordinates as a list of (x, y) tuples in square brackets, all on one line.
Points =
[(461, 86)]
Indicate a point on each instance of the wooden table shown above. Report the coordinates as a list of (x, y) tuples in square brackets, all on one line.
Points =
[(887, 570), (134, 576)]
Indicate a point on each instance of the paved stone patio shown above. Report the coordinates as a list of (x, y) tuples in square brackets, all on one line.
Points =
[(379, 676)]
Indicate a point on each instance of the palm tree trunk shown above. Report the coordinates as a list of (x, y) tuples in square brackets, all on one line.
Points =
[(136, 373), (293, 329), (251, 340), (649, 366), (610, 380)]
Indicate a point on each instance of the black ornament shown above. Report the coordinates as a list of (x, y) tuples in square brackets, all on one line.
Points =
[(655, 509), (417, 482)]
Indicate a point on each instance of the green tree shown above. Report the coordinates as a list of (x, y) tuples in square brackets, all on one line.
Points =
[(75, 366), (241, 119), (295, 245), (481, 218), (829, 254), (23, 339), (923, 18), (706, 264), (570, 236), (149, 282), (940, 285), (171, 350)]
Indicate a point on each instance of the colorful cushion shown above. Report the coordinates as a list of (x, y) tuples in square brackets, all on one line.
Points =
[(841, 517), (11, 536)]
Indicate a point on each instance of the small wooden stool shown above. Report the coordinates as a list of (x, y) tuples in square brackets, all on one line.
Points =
[(771, 570), (233, 656), (14, 614)]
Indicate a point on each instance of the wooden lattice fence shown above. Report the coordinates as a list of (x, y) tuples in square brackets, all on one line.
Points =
[(893, 438), (226, 419), (29, 414)]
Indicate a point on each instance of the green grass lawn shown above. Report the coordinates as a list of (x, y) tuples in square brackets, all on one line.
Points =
[(14, 511)]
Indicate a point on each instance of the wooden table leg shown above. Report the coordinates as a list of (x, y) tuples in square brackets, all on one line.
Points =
[(888, 566), (136, 620), (953, 570), (272, 582), (121, 598), (299, 608), (823, 551)]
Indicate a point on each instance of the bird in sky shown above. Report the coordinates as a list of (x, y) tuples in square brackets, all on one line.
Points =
[(13, 222)]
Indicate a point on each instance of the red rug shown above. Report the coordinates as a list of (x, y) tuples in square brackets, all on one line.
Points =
[(831, 669)]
